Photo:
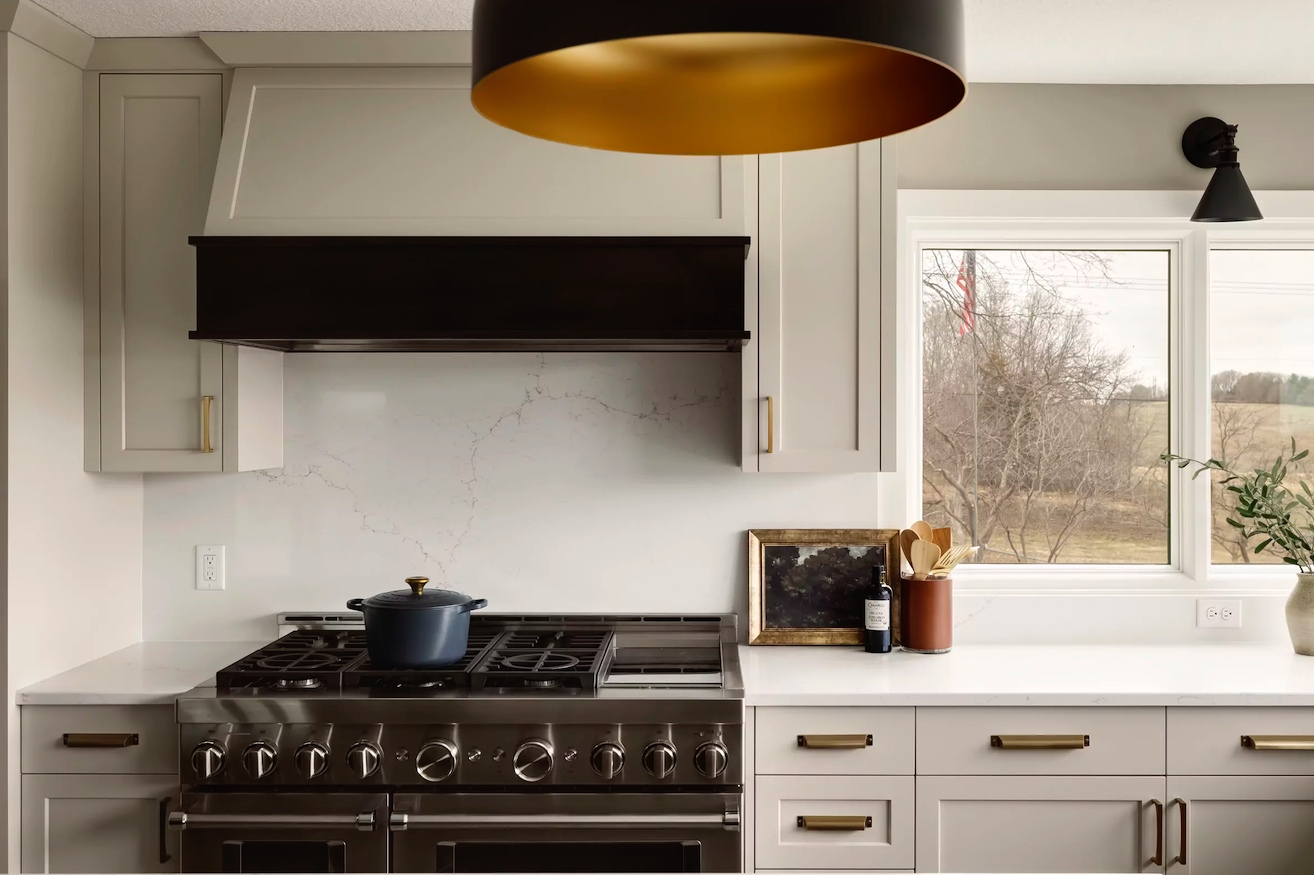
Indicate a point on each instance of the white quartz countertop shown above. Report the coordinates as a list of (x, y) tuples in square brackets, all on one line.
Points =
[(1214, 674), (148, 673)]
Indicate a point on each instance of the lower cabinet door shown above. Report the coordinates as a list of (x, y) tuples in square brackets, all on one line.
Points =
[(1040, 824), (98, 823), (833, 822), (1255, 825)]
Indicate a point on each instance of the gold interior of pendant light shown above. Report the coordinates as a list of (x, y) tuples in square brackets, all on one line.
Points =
[(719, 93)]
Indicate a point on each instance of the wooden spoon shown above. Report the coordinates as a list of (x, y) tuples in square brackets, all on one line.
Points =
[(943, 538), (906, 539), (924, 556), (923, 530)]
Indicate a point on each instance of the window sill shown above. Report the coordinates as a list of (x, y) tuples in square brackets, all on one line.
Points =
[(1121, 581)]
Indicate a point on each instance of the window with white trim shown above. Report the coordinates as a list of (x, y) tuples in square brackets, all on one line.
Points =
[(1096, 331)]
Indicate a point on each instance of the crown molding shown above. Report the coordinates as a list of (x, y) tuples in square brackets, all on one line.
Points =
[(152, 54), (345, 48), (45, 30)]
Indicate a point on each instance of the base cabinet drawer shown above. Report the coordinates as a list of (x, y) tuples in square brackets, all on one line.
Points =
[(99, 739), (1241, 741), (835, 741), (1039, 824), (1040, 741), (98, 823), (1251, 825), (805, 822)]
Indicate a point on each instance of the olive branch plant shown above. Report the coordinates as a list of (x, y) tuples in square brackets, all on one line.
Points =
[(1266, 506)]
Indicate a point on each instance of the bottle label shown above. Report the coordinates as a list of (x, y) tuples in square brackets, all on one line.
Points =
[(878, 614)]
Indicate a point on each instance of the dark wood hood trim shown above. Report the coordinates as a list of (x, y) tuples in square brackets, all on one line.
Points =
[(472, 294)]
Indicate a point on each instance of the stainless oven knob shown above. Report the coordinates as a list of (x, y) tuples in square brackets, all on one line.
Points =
[(259, 758), (659, 759), (311, 759), (710, 759), (533, 760), (436, 761), (608, 758), (363, 758), (208, 759)]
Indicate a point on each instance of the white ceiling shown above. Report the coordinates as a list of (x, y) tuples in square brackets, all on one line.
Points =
[(1099, 41)]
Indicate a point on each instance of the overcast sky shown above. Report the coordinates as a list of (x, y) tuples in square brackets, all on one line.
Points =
[(1261, 309)]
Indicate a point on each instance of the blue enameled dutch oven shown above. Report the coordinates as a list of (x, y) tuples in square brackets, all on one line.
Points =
[(416, 629)]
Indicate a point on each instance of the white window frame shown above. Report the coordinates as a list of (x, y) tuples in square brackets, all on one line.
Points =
[(1095, 219)]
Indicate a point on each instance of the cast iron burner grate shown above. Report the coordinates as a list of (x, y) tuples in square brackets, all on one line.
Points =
[(565, 659), (446, 677), (298, 661)]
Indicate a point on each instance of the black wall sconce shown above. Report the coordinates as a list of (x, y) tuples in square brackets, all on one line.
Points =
[(1211, 143)]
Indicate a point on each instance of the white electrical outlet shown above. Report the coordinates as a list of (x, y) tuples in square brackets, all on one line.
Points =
[(209, 566), (1218, 613)]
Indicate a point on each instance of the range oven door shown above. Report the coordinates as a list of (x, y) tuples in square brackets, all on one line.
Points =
[(283, 832), (566, 832)]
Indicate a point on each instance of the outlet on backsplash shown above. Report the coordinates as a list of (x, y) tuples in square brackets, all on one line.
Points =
[(1218, 613)]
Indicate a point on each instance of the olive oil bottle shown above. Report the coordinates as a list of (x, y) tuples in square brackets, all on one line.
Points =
[(878, 598)]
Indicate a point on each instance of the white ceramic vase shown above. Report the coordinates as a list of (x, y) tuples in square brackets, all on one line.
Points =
[(1300, 615)]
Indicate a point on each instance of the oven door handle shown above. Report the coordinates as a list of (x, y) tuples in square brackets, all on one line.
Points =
[(729, 820), (179, 820)]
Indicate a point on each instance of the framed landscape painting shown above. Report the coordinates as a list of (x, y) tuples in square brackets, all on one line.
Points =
[(805, 586)]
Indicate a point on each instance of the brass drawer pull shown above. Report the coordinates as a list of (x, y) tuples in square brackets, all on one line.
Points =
[(771, 424), (1278, 742), (834, 742), (100, 739), (1157, 859), (1181, 851), (206, 445), (1040, 742), (834, 822)]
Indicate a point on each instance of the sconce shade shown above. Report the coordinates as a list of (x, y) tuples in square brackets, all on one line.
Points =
[(1227, 198), (716, 77)]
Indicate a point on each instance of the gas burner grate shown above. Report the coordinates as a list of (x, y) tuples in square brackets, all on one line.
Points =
[(446, 677), (298, 661), (543, 660)]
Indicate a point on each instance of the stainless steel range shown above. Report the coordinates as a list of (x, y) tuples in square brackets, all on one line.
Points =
[(557, 744)]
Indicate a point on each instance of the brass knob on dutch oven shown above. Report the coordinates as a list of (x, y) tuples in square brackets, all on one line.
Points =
[(417, 584)]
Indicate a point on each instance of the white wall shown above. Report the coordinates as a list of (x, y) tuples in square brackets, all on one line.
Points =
[(74, 539), (605, 482)]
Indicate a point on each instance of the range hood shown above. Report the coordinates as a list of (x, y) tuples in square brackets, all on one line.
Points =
[(471, 294)]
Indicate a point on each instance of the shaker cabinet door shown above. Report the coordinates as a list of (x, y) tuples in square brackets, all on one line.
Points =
[(159, 140), (1039, 824), (98, 823), (824, 350), (1225, 825)]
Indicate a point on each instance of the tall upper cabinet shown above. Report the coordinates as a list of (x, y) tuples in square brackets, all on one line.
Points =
[(157, 401), (819, 388)]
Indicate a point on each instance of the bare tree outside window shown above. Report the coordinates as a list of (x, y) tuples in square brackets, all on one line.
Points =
[(1045, 403), (1262, 320)]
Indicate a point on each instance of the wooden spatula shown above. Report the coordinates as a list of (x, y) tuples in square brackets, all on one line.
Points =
[(924, 556), (923, 530), (906, 539), (943, 538)]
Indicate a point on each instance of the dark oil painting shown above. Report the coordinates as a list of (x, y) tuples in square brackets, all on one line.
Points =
[(817, 587)]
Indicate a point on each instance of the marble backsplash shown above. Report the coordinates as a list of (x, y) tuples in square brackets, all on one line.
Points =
[(592, 482)]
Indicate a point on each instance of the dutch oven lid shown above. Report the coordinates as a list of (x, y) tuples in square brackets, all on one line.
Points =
[(416, 598)]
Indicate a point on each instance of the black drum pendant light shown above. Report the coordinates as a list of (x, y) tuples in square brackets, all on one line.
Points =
[(716, 77), (1210, 142)]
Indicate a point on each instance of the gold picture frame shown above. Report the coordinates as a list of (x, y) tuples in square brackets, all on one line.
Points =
[(761, 630)]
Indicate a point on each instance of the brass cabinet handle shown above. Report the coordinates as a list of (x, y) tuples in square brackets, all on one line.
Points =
[(100, 739), (834, 742), (834, 822), (1157, 859), (206, 401), (1181, 853), (1040, 742), (1278, 742), (771, 424)]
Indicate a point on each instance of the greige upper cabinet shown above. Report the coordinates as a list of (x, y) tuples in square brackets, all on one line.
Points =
[(819, 384), (157, 401)]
